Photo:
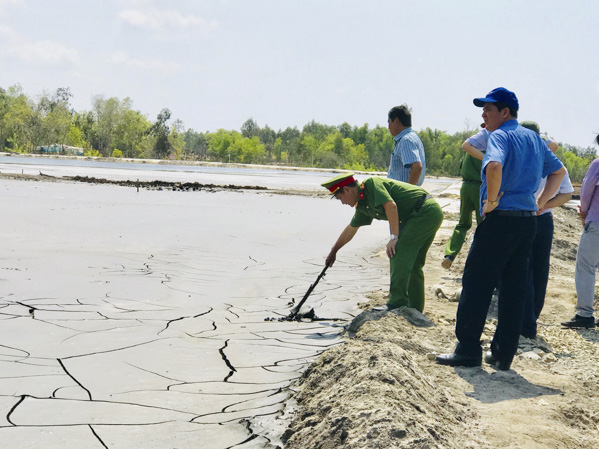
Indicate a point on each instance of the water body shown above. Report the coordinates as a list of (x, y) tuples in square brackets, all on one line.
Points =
[(274, 178)]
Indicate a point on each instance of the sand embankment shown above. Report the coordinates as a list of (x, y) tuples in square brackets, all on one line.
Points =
[(382, 388)]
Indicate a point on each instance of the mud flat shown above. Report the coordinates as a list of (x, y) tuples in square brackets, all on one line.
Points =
[(137, 318)]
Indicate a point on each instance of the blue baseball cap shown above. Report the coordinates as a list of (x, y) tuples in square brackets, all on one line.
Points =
[(501, 94)]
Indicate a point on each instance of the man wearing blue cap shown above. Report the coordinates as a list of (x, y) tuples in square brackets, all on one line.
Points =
[(515, 161)]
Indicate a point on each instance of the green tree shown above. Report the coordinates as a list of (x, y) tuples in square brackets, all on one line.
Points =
[(75, 137), (176, 139), (196, 144), (160, 130), (290, 143), (308, 147), (250, 128), (319, 131), (106, 117), (268, 137), (248, 151), (130, 132), (18, 120), (345, 129), (57, 123), (379, 145), (278, 150), (219, 145), (85, 122)]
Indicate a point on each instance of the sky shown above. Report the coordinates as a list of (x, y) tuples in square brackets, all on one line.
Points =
[(216, 63)]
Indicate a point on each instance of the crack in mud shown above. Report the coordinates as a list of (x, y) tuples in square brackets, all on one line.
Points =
[(89, 394), (232, 369), (98, 437)]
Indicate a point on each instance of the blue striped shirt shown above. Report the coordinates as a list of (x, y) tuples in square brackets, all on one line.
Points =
[(408, 149)]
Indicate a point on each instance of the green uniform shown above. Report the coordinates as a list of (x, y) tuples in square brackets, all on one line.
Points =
[(421, 217), (469, 202)]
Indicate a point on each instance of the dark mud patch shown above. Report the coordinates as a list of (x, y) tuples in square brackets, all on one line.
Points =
[(163, 185)]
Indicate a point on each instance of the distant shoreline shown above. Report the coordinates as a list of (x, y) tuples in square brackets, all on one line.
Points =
[(192, 163)]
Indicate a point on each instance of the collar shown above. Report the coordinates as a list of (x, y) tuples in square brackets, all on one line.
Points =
[(509, 125), (360, 194), (403, 133)]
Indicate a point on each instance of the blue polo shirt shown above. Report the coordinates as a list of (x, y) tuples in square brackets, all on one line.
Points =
[(408, 149), (525, 159)]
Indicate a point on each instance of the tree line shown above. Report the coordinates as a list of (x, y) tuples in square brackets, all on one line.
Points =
[(112, 128)]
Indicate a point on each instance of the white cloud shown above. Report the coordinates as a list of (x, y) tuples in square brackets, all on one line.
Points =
[(44, 53), (3, 3), (158, 19), (7, 33), (155, 65)]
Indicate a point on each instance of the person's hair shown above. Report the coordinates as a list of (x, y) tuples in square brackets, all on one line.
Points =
[(501, 105), (351, 184), (597, 139), (403, 113)]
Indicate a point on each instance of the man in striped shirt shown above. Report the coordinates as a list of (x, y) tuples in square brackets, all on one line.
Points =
[(407, 160)]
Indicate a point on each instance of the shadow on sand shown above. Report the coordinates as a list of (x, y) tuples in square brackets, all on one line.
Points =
[(501, 385)]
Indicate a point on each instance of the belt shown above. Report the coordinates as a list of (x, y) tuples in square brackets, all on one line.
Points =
[(421, 201), (514, 213)]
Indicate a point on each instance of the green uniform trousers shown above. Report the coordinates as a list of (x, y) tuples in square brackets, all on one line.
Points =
[(469, 202), (407, 277)]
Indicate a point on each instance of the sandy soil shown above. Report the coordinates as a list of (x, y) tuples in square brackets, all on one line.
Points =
[(383, 389)]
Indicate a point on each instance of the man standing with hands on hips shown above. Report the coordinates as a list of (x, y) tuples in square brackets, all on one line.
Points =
[(515, 161)]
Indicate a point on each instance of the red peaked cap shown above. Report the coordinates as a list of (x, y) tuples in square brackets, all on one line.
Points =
[(338, 182)]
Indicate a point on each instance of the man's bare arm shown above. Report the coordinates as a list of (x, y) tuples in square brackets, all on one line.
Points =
[(415, 170), (551, 187), (472, 150), (347, 234)]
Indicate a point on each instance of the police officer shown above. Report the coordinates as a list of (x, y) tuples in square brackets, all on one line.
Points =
[(397, 202)]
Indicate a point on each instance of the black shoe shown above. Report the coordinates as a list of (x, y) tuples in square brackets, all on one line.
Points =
[(491, 360), (446, 262), (580, 322), (457, 360), (529, 336)]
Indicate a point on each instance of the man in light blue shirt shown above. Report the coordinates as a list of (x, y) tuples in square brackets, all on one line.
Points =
[(407, 160)]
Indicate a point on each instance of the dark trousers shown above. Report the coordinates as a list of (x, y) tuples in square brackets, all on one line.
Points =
[(538, 273), (499, 253)]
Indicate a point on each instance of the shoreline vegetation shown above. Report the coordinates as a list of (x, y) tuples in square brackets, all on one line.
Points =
[(113, 129)]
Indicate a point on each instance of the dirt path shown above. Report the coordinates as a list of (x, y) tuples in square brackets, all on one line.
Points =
[(383, 389)]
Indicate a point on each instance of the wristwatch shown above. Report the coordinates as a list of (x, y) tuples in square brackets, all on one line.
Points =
[(492, 202), (393, 237)]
